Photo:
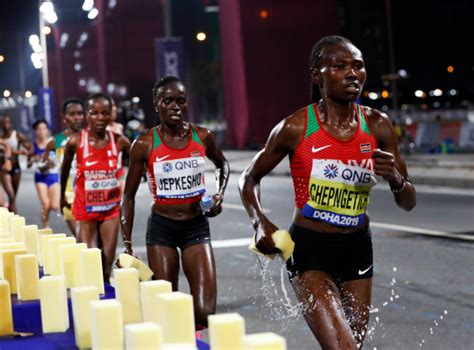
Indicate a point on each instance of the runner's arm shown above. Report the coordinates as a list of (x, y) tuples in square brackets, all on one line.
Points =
[(214, 153), (7, 163), (389, 164), (139, 153), (281, 142), (123, 143), (69, 152), (47, 163), (23, 141)]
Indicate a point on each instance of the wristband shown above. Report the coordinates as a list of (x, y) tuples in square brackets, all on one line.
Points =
[(129, 242), (395, 191)]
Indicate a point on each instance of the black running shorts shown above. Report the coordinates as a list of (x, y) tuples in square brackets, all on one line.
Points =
[(345, 257), (177, 233)]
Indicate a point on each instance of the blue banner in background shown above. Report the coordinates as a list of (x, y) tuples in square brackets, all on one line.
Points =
[(46, 106), (25, 120), (169, 56)]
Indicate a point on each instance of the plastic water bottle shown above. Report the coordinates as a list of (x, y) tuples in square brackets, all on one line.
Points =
[(206, 203)]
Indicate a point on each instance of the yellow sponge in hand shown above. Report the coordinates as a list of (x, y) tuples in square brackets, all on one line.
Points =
[(144, 272), (68, 214), (253, 248), (283, 242)]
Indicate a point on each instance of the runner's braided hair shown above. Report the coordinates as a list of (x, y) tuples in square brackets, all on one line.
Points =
[(317, 54)]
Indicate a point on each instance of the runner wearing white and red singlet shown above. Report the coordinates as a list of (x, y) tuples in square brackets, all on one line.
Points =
[(97, 201)]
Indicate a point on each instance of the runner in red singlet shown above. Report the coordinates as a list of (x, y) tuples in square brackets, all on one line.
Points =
[(173, 153), (98, 194), (335, 147)]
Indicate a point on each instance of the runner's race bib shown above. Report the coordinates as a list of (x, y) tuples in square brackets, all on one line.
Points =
[(180, 178), (339, 192), (102, 190)]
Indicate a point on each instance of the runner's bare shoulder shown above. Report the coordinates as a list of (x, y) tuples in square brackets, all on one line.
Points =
[(289, 131)]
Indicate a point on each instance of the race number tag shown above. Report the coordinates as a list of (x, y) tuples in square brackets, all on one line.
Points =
[(339, 192), (180, 178), (102, 190)]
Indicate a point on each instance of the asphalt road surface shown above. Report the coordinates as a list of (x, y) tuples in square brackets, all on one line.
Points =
[(423, 292)]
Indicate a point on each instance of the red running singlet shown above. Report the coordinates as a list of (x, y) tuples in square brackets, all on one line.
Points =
[(97, 188), (332, 179), (176, 175)]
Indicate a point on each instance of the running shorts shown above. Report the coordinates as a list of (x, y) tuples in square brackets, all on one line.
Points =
[(343, 256), (177, 233)]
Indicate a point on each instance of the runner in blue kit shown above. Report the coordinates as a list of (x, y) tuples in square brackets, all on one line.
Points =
[(46, 178)]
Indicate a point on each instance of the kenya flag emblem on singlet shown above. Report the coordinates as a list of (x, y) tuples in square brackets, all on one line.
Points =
[(365, 148)]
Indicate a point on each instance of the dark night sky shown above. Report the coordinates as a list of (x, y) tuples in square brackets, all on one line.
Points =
[(428, 36), (18, 20)]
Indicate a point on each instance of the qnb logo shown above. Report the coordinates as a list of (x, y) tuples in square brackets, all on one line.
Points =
[(104, 184), (331, 171), (167, 167), (186, 164)]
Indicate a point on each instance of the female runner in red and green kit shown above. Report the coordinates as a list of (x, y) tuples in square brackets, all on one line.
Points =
[(335, 147), (173, 153)]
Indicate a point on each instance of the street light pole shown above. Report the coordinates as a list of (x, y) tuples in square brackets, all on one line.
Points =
[(391, 51), (168, 24), (42, 35)]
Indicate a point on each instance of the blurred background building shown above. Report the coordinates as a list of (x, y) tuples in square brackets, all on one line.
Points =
[(245, 63)]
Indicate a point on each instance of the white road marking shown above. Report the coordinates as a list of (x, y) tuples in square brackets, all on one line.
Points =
[(443, 190), (422, 231), (241, 207), (229, 243)]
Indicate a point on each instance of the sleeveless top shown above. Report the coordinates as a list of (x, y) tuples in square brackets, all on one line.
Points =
[(13, 141), (40, 151), (332, 179), (59, 146), (176, 175), (97, 183), (60, 141)]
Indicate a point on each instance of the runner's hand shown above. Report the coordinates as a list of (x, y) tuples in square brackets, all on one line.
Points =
[(216, 209), (263, 238), (384, 165), (64, 203), (127, 249)]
